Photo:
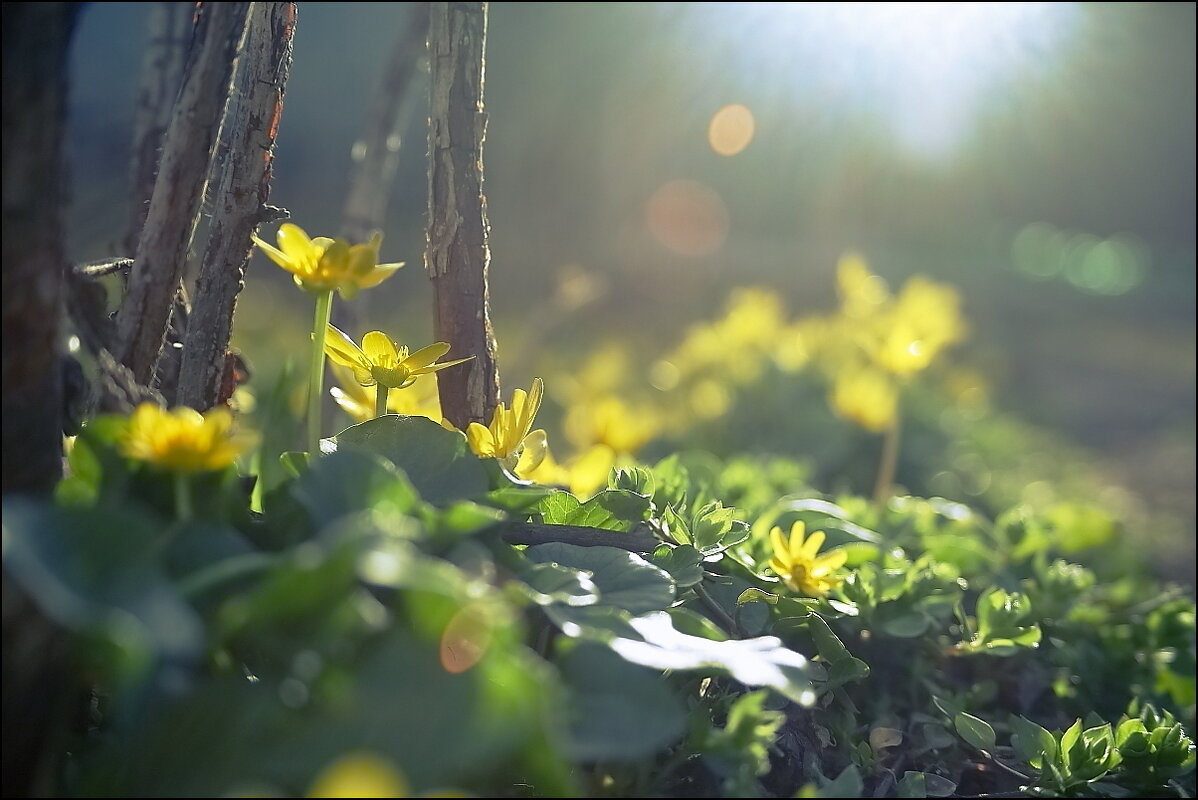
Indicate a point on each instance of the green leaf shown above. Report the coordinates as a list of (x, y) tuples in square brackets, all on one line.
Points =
[(846, 670), (912, 785), (552, 583), (755, 595), (557, 506), (684, 563), (616, 711), (761, 661), (611, 509), (827, 643), (695, 624), (348, 481), (975, 731), (625, 580), (437, 461), (516, 499), (1032, 744), (714, 528), (846, 784), (677, 526), (294, 462), (99, 571), (906, 626), (637, 480)]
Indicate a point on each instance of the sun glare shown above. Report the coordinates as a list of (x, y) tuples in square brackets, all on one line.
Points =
[(923, 68)]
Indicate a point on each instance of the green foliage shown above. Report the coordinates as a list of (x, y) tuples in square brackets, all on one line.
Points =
[(375, 605)]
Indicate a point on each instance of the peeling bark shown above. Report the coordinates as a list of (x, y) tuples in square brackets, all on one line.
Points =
[(170, 31), (457, 256), (251, 127), (179, 188)]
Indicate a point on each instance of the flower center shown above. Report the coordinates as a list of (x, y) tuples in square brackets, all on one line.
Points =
[(390, 377)]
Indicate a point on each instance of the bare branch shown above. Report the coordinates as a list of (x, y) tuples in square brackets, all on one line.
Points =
[(179, 188), (170, 30), (251, 128), (457, 256)]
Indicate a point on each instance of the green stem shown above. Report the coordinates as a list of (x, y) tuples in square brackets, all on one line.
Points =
[(256, 471), (183, 508), (380, 400), (884, 486), (324, 309)]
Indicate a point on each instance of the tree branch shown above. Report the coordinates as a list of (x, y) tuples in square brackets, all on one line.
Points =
[(457, 256), (179, 188), (170, 30), (251, 127)]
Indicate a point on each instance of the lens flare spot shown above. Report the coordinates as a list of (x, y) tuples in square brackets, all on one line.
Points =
[(731, 129), (687, 217), (465, 639)]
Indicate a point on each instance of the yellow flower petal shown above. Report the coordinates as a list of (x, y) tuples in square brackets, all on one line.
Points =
[(341, 349), (481, 441), (536, 444), (427, 355), (779, 544), (812, 545), (798, 534), (832, 560), (274, 254), (379, 350), (294, 241), (441, 366)]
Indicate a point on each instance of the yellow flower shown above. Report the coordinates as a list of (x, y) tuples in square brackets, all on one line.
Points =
[(418, 400), (379, 361), (862, 294), (323, 264), (361, 774), (510, 437), (799, 564), (866, 396), (183, 440)]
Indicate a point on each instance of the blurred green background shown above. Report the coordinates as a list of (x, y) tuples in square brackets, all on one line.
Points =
[(646, 158)]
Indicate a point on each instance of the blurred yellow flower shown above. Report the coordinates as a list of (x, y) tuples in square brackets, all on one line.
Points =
[(183, 440), (867, 397), (798, 562), (418, 400), (323, 264), (862, 293), (366, 774), (510, 438), (360, 774), (924, 319), (379, 361), (609, 420)]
